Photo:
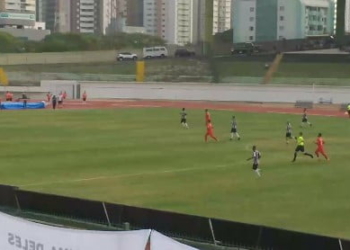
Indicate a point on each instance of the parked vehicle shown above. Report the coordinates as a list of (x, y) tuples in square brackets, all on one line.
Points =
[(126, 56), (184, 53), (245, 48), (155, 52)]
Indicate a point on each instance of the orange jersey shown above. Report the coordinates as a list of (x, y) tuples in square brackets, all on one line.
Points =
[(210, 128), (84, 95), (320, 142)]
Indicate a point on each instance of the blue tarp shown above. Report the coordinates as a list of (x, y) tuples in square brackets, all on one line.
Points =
[(20, 105)]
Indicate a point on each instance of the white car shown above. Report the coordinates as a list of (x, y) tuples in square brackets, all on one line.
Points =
[(126, 56), (155, 52)]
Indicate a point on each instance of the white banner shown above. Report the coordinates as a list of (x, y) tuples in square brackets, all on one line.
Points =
[(19, 234), (161, 242)]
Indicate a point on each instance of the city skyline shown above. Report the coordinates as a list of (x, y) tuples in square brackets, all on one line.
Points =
[(177, 21)]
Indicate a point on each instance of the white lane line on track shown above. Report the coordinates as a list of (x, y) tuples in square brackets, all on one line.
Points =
[(126, 105), (159, 172)]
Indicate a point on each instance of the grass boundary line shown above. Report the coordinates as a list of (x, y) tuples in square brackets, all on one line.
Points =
[(169, 171)]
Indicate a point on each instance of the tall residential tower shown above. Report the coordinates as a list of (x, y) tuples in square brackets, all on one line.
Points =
[(17, 13), (270, 20)]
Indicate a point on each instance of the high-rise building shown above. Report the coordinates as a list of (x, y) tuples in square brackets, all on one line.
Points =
[(347, 17), (271, 20), (96, 16), (154, 17), (176, 21), (134, 16), (121, 7), (17, 13), (222, 15), (182, 22), (55, 13)]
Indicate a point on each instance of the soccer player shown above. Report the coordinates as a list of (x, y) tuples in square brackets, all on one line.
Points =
[(84, 97), (54, 101), (183, 121), (207, 117), (48, 96), (305, 120), (8, 96), (234, 130), (60, 100), (320, 147), (210, 131), (300, 147), (256, 160), (288, 132)]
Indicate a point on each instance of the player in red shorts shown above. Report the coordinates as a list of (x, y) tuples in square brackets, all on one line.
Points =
[(320, 147), (210, 131), (207, 117)]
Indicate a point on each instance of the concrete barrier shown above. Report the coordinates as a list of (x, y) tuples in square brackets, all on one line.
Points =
[(189, 91), (214, 92)]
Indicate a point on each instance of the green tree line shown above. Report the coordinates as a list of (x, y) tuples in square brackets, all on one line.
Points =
[(59, 42)]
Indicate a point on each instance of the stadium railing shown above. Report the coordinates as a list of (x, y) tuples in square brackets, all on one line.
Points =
[(304, 104), (108, 216)]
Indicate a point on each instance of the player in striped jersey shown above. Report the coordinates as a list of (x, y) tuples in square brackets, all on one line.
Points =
[(183, 121), (256, 160), (288, 132), (234, 129), (305, 120)]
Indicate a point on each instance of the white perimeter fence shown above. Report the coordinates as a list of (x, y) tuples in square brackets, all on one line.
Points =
[(193, 91)]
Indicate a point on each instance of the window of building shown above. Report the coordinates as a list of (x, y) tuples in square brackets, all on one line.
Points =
[(281, 28), (251, 38), (251, 28), (252, 9), (281, 18), (281, 8), (251, 19)]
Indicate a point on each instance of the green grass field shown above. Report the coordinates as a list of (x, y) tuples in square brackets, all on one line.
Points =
[(143, 157)]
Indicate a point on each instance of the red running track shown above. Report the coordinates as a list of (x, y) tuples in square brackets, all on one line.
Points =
[(240, 107)]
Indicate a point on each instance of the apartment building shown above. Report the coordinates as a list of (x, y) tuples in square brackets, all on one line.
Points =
[(182, 22), (154, 17), (176, 21), (347, 17), (134, 15), (96, 16), (55, 13), (222, 15), (271, 20), (85, 16), (17, 13)]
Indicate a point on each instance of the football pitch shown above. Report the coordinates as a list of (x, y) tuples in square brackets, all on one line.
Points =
[(143, 157)]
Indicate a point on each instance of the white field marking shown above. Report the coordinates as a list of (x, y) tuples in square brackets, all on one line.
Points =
[(169, 171), (295, 113)]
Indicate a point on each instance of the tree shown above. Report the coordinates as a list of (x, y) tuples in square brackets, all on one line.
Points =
[(9, 43)]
